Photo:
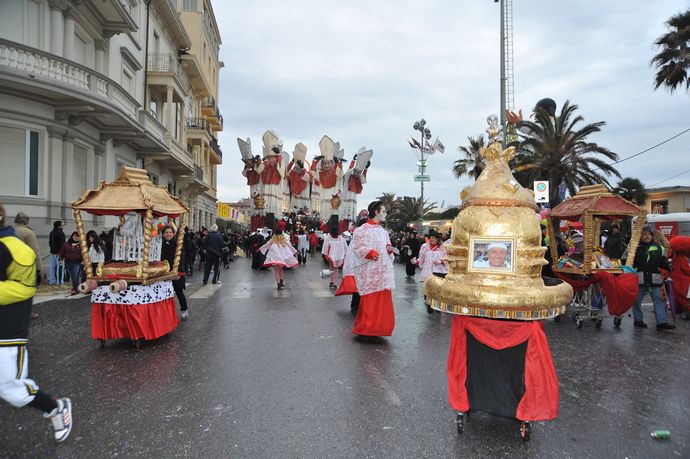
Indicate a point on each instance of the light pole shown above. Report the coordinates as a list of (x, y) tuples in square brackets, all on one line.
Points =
[(426, 134)]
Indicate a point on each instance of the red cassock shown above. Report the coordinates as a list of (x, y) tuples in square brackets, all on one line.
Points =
[(253, 177), (375, 316), (328, 178), (297, 183), (270, 174), (539, 401)]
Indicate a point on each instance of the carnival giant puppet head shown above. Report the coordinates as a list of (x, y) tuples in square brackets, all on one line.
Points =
[(273, 146), (299, 154), (327, 147)]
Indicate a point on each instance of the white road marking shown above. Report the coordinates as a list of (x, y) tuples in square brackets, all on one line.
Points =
[(61, 296), (206, 291)]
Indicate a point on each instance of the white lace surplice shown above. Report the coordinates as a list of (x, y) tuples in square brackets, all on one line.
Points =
[(372, 275), (430, 260), (334, 250)]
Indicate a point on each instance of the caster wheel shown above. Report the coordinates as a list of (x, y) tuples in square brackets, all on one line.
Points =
[(137, 343), (557, 318), (617, 322), (598, 323), (685, 315), (525, 430), (460, 422), (578, 322), (101, 343), (574, 316)]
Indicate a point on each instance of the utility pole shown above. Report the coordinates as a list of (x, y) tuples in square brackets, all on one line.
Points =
[(426, 135)]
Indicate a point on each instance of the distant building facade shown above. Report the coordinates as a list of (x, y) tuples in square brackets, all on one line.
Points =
[(84, 91), (666, 200)]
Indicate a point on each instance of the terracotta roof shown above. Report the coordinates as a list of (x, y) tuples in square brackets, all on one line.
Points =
[(595, 199)]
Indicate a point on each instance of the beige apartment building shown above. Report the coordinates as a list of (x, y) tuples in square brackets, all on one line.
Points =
[(84, 91)]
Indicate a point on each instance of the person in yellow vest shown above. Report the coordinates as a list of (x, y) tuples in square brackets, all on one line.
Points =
[(17, 289)]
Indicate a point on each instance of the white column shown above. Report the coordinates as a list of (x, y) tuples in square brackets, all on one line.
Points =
[(67, 168), (55, 178), (170, 114), (69, 34), (56, 30), (183, 137)]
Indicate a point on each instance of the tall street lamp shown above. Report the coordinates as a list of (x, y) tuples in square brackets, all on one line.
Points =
[(425, 133)]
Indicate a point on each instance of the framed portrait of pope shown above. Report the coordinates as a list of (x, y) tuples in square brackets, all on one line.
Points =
[(492, 255)]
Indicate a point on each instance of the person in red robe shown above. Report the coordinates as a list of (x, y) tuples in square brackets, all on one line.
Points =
[(373, 271)]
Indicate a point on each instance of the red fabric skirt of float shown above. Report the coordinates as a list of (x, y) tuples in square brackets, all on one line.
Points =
[(375, 316), (540, 399), (148, 321)]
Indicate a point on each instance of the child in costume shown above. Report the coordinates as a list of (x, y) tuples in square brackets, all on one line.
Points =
[(279, 254), (334, 250)]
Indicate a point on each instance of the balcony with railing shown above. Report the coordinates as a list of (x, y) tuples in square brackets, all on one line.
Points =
[(216, 149), (198, 128), (198, 173), (210, 110), (167, 65), (61, 81)]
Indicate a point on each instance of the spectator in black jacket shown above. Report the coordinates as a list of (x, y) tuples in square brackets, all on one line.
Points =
[(649, 258), (56, 240), (213, 245), (188, 252), (615, 243)]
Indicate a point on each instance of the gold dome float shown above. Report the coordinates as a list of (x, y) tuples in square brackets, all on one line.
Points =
[(495, 259)]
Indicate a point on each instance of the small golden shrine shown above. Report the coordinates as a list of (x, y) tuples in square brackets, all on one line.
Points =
[(590, 207), (132, 197), (495, 258)]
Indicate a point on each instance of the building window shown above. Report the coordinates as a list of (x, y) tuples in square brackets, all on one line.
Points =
[(21, 157), (154, 179), (660, 207), (127, 80), (189, 5), (153, 107), (32, 157), (79, 170)]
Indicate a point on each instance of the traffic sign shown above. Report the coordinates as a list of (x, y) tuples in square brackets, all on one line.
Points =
[(541, 191), (422, 178)]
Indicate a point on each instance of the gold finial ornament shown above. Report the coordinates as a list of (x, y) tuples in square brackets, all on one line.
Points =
[(495, 258)]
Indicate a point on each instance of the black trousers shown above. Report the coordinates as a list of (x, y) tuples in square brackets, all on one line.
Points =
[(212, 261), (178, 287), (410, 268)]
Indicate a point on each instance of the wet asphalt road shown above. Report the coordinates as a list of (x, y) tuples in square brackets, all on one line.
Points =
[(261, 373)]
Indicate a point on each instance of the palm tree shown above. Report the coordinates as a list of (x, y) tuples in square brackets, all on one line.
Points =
[(632, 190), (673, 60), (558, 151), (407, 210), (472, 164)]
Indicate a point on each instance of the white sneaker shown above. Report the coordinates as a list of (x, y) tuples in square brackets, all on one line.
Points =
[(61, 417), (184, 315)]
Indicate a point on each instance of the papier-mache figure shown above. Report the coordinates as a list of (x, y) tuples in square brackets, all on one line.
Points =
[(251, 163), (272, 171), (353, 179), (329, 176), (299, 178)]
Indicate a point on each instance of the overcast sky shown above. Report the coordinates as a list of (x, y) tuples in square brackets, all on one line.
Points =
[(362, 72)]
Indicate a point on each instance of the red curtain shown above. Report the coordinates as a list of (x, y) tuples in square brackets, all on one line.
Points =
[(148, 321), (620, 290), (540, 401)]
